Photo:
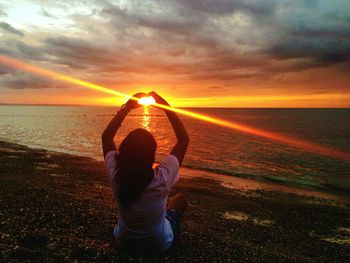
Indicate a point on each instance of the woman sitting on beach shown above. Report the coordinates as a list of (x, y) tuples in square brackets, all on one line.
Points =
[(146, 221)]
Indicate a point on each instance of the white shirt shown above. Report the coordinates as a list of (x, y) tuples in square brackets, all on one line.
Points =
[(143, 224)]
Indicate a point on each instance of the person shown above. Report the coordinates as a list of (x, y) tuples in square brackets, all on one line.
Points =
[(148, 221)]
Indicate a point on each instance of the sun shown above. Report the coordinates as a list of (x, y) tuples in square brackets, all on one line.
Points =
[(146, 101)]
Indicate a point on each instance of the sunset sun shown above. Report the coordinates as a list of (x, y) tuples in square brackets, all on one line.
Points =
[(146, 101)]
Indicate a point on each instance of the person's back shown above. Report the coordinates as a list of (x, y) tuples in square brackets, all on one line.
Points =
[(145, 222)]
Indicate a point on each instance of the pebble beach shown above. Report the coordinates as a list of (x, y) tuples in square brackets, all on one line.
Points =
[(59, 207)]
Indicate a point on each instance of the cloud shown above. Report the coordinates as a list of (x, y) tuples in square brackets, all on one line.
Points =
[(27, 81), (7, 27), (19, 49), (46, 13), (323, 48), (222, 7), (4, 70), (75, 52), (312, 29), (218, 42), (3, 10)]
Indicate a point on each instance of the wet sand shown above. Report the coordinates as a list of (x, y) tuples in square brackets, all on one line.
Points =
[(59, 207)]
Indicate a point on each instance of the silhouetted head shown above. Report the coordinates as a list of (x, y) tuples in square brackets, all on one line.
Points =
[(136, 157)]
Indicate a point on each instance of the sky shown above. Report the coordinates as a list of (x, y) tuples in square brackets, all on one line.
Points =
[(198, 53)]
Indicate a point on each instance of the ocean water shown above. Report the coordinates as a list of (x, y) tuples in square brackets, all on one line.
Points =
[(78, 130)]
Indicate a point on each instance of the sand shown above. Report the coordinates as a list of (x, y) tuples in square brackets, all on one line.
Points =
[(59, 207)]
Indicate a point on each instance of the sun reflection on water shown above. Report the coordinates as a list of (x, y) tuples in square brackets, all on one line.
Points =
[(146, 119)]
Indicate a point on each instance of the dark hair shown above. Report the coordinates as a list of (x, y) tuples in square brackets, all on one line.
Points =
[(136, 157)]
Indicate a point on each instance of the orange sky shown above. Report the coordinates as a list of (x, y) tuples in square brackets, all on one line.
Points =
[(194, 53), (298, 101)]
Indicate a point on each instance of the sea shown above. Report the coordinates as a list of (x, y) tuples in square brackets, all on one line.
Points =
[(77, 130)]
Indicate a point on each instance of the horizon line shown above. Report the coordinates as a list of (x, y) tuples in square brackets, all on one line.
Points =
[(197, 107)]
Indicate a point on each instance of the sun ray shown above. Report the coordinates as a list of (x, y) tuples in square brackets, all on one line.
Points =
[(295, 142)]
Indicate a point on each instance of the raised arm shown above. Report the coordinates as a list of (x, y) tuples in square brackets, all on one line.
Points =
[(113, 126), (180, 147)]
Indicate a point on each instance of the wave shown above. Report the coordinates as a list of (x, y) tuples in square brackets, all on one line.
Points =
[(218, 171), (327, 187)]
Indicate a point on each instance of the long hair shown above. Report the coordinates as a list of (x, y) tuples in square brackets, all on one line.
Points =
[(136, 157)]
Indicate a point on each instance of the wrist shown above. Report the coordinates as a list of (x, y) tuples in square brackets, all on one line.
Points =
[(124, 108), (123, 111)]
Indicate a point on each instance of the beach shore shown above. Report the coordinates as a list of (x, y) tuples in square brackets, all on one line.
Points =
[(59, 207)]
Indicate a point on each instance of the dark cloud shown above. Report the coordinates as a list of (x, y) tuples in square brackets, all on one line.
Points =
[(100, 58), (19, 49), (338, 33), (85, 55), (207, 40), (76, 53), (222, 7), (335, 57), (46, 13), (314, 32), (7, 27), (175, 23), (180, 35), (27, 81), (4, 70), (321, 50)]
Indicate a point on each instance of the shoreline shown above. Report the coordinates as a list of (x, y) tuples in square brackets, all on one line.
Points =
[(59, 207), (237, 182)]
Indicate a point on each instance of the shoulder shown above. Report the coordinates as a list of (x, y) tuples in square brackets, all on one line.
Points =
[(168, 170), (169, 163)]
